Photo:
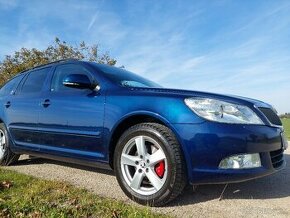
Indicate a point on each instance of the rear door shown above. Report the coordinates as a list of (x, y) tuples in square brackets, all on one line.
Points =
[(71, 120), (22, 110)]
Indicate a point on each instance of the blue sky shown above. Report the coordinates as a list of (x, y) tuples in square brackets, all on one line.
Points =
[(239, 47)]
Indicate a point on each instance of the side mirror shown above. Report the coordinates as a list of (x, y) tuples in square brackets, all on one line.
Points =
[(78, 81)]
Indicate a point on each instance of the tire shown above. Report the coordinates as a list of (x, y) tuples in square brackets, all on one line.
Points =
[(156, 177), (7, 157)]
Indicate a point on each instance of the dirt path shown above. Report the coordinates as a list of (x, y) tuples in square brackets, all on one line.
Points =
[(265, 197)]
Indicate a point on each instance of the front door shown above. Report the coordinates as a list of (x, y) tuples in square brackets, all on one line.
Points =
[(71, 120)]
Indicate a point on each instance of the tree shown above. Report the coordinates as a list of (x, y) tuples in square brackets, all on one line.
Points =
[(27, 58)]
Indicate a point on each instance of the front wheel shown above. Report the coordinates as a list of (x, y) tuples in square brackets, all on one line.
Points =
[(149, 164)]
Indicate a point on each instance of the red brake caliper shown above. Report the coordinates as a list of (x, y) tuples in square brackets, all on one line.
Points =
[(160, 169)]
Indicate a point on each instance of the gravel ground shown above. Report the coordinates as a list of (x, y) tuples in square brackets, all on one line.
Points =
[(265, 197)]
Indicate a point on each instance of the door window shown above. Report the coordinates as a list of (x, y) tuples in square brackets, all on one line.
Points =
[(63, 71), (35, 81), (10, 86)]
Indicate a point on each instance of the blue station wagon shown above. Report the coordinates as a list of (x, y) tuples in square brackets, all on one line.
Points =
[(157, 140)]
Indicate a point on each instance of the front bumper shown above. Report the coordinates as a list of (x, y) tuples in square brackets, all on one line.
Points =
[(205, 145)]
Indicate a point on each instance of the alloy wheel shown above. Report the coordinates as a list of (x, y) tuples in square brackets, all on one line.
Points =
[(144, 165)]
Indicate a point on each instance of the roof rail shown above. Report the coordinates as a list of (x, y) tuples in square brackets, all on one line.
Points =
[(53, 62)]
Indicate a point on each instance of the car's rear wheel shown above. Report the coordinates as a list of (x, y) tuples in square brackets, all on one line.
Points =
[(7, 157), (149, 164)]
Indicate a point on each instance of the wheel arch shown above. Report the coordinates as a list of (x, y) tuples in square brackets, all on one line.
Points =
[(133, 119)]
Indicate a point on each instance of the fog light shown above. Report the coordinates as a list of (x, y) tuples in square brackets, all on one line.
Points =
[(241, 161)]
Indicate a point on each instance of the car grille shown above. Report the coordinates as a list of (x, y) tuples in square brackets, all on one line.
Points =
[(271, 116), (277, 158)]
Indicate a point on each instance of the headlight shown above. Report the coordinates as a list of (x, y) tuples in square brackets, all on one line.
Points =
[(221, 111)]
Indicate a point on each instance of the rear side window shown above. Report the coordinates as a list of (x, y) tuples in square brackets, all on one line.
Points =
[(10, 86), (34, 81)]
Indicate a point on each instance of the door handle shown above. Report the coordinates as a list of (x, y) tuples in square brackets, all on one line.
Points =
[(7, 104), (46, 103)]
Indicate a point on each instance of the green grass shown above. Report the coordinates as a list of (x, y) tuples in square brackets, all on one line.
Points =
[(32, 197), (286, 124)]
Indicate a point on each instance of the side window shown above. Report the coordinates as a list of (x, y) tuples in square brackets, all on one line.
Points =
[(63, 71), (10, 86), (35, 81)]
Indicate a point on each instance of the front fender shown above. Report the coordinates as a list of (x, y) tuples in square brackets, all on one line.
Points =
[(158, 117)]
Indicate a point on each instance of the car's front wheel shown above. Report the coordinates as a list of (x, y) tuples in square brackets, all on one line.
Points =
[(149, 164), (7, 157)]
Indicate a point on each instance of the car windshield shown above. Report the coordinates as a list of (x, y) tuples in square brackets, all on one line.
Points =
[(126, 78)]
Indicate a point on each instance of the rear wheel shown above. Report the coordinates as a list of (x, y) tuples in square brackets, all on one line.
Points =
[(7, 157), (149, 164)]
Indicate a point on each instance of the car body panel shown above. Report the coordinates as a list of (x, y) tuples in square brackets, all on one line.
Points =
[(68, 128), (207, 144)]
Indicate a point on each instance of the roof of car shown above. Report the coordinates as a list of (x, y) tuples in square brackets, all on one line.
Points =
[(51, 63)]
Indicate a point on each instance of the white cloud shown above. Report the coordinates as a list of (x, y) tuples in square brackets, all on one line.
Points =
[(93, 20)]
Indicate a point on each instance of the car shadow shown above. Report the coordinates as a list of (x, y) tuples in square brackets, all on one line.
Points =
[(269, 187), (37, 161)]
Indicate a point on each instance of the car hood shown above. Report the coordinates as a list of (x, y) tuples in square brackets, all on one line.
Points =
[(189, 93)]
